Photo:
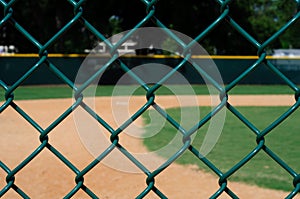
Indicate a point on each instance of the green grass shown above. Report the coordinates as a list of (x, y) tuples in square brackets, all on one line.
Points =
[(46, 92), (236, 141)]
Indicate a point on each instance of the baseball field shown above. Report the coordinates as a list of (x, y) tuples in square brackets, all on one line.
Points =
[(46, 176)]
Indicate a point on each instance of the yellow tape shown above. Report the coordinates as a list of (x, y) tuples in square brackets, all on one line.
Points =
[(156, 56)]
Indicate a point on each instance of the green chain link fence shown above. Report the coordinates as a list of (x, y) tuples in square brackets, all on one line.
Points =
[(224, 17)]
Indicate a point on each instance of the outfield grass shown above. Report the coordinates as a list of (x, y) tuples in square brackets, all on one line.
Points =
[(236, 141), (46, 92)]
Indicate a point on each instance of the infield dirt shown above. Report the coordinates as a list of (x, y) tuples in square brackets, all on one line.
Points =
[(47, 177)]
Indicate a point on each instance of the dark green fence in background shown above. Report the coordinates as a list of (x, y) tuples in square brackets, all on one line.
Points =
[(13, 67), (16, 72)]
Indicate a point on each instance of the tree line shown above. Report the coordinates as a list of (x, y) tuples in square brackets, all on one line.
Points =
[(260, 18)]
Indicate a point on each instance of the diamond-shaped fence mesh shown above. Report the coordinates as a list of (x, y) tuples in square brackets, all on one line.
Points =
[(45, 144)]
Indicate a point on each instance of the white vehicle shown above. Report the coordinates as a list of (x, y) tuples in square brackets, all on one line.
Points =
[(287, 59), (287, 52), (10, 49)]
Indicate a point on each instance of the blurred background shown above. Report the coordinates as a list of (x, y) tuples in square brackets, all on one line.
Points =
[(260, 18)]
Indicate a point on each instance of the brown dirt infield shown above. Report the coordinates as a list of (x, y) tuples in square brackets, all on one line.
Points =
[(46, 177)]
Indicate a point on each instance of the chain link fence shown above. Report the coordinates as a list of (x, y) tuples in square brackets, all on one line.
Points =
[(78, 18)]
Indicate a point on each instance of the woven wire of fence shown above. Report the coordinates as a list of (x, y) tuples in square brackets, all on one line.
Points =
[(79, 18)]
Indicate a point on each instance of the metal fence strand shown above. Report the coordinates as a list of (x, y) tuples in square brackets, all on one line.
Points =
[(150, 186)]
